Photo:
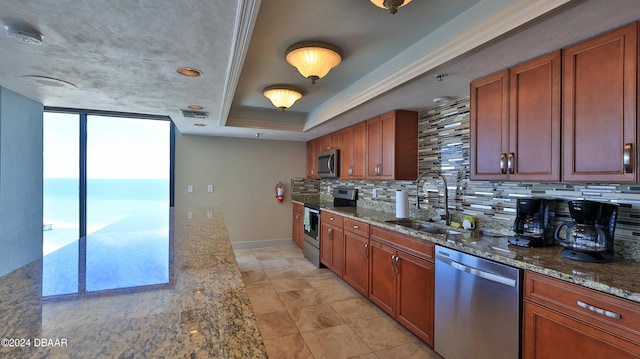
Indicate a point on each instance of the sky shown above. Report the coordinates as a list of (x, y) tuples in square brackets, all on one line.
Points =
[(116, 147)]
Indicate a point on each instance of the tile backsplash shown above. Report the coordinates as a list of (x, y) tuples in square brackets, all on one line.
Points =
[(443, 146)]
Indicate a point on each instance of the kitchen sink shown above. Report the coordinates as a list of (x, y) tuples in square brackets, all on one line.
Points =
[(423, 226)]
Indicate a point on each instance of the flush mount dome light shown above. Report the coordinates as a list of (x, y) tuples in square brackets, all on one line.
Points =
[(189, 71), (24, 34), (313, 59), (391, 5), (282, 96)]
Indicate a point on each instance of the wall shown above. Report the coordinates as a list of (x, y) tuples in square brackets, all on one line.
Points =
[(443, 145), (244, 173), (20, 180)]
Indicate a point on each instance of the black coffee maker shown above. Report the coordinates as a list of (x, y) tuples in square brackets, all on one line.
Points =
[(589, 237), (534, 225)]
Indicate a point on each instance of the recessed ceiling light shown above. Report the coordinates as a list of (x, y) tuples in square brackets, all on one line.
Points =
[(196, 107), (189, 71), (199, 124), (50, 81), (24, 34)]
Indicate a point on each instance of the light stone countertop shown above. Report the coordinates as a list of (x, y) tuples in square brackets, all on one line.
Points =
[(620, 277), (201, 311)]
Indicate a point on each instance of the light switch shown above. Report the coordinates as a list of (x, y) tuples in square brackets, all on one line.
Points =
[(189, 188), (210, 188)]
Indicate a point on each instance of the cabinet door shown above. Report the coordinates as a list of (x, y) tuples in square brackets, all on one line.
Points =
[(489, 127), (387, 148), (332, 248), (415, 295), (599, 108), (548, 334), (356, 262), (534, 120), (352, 154), (373, 148), (297, 226), (312, 160), (382, 277)]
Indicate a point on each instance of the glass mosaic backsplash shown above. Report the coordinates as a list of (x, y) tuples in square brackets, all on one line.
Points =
[(443, 145)]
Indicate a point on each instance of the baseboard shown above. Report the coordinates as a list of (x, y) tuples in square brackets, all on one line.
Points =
[(263, 243)]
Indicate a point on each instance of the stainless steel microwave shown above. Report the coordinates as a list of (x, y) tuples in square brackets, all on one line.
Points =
[(329, 164)]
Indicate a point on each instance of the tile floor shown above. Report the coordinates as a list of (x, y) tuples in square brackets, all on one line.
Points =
[(308, 312)]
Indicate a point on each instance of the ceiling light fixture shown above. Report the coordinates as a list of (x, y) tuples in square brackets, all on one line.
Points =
[(391, 5), (24, 34), (443, 100), (313, 59), (189, 71), (282, 96)]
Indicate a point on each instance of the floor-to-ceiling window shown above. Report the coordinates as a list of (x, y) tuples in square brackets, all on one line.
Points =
[(107, 191)]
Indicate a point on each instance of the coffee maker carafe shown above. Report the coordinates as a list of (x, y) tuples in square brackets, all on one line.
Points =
[(533, 225), (589, 237)]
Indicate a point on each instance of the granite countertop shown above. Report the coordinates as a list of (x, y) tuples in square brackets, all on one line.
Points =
[(620, 277), (200, 309)]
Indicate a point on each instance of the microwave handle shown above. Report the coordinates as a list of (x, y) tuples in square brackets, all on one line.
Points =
[(331, 164)]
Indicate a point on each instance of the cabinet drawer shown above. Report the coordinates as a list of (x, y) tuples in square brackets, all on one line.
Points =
[(357, 227), (613, 314), (330, 218), (298, 207), (416, 246)]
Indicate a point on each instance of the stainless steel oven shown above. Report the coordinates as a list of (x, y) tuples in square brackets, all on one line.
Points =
[(311, 243)]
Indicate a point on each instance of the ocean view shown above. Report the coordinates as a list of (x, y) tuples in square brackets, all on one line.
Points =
[(108, 201)]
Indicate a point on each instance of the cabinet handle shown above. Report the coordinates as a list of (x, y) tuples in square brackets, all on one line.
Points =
[(356, 227), (350, 171), (397, 265), (330, 233), (627, 158), (331, 218), (393, 263), (297, 218), (503, 169), (379, 169), (366, 250), (598, 310), (510, 166)]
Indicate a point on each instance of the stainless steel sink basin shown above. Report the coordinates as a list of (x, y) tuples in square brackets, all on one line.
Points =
[(422, 226)]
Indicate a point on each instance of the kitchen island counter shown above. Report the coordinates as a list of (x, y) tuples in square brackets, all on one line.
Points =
[(199, 310)]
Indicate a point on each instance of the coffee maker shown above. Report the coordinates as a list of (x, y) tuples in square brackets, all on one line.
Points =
[(534, 225), (589, 237)]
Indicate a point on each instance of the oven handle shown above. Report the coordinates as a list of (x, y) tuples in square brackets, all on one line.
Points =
[(314, 210)]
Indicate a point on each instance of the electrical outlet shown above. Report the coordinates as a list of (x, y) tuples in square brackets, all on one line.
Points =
[(374, 193), (210, 188), (189, 188)]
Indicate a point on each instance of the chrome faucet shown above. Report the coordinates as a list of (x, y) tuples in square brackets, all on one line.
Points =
[(447, 215)]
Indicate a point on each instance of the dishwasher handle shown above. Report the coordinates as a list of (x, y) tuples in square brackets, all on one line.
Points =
[(479, 273)]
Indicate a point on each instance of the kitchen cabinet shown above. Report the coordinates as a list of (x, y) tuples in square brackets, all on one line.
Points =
[(392, 146), (353, 152), (297, 231), (314, 147), (332, 242), (515, 123), (332, 141), (564, 320), (356, 255), (401, 279), (599, 108)]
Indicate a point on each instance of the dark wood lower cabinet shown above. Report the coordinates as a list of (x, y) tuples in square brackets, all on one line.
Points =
[(402, 285), (549, 334), (356, 262)]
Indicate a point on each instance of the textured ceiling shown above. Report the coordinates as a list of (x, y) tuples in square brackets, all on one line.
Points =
[(122, 55)]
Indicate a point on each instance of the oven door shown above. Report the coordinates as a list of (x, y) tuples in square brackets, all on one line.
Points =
[(312, 227)]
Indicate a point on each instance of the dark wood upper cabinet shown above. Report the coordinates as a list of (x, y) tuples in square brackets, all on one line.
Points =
[(599, 108), (353, 152), (392, 146), (489, 127), (515, 123), (534, 120)]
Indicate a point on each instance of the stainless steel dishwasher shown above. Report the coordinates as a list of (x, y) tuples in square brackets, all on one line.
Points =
[(477, 307)]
